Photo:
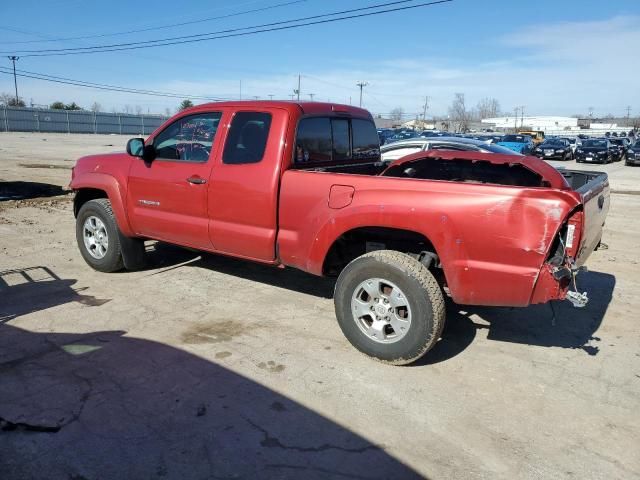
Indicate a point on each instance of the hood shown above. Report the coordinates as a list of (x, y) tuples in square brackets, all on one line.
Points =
[(108, 163)]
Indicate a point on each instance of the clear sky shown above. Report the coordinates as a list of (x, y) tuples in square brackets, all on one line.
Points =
[(555, 57)]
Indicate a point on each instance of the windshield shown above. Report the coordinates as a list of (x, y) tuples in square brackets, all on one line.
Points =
[(595, 143), (515, 138)]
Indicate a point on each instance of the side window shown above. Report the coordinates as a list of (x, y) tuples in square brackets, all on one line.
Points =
[(247, 138), (366, 144), (188, 139), (313, 142), (341, 143)]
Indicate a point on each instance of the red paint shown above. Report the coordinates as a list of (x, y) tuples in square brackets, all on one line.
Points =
[(493, 241)]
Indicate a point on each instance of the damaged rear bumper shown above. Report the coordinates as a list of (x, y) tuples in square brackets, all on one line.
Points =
[(555, 282)]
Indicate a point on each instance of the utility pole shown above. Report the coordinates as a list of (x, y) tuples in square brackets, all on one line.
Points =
[(628, 113), (270, 96), (297, 91), (424, 112), (361, 84), (515, 121), (311, 96), (522, 116), (13, 58), (256, 97)]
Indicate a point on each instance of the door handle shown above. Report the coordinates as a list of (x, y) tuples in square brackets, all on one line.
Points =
[(196, 180)]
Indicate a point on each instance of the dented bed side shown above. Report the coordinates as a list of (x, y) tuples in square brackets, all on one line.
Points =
[(494, 242)]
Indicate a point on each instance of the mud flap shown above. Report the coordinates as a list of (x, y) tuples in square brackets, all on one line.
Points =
[(133, 252)]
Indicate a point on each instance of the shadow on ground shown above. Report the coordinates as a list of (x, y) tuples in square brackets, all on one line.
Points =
[(104, 405), (28, 290), (560, 326), (163, 258), (29, 190)]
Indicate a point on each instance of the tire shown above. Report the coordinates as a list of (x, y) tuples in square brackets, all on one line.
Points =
[(104, 259), (425, 308)]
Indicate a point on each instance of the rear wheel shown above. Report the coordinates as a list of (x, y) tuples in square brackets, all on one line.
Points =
[(97, 236), (389, 306)]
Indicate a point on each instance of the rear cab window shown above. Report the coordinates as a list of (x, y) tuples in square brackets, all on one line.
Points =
[(247, 138), (327, 141)]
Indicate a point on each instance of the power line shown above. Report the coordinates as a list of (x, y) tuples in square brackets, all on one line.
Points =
[(230, 33), (99, 86), (160, 27)]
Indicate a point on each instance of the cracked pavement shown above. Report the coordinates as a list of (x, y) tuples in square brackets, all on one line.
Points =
[(209, 367)]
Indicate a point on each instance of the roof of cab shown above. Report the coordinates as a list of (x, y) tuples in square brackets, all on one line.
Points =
[(307, 108)]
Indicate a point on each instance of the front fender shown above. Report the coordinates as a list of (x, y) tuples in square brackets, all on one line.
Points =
[(115, 192)]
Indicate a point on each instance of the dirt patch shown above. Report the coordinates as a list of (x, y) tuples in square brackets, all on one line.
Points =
[(271, 366), (213, 332)]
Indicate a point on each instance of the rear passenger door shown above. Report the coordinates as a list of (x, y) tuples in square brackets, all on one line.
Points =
[(243, 196)]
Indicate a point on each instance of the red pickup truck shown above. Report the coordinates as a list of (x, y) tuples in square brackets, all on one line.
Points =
[(301, 184)]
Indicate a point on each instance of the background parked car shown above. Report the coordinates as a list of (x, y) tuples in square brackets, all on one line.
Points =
[(596, 150), (397, 150), (404, 135), (574, 143), (633, 154), (622, 145), (518, 143), (554, 148), (384, 134)]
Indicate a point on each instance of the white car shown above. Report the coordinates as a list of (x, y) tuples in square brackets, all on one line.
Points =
[(396, 150)]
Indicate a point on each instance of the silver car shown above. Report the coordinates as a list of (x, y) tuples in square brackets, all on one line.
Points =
[(396, 150)]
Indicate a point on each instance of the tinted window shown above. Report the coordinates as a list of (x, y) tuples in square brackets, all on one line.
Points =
[(188, 138), (314, 140), (595, 143), (365, 140), (247, 138), (341, 144)]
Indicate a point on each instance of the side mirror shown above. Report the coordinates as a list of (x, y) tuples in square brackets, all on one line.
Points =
[(135, 147)]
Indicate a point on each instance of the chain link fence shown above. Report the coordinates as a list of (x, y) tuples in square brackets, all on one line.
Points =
[(25, 119)]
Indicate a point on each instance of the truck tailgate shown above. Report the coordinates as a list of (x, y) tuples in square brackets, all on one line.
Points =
[(594, 191)]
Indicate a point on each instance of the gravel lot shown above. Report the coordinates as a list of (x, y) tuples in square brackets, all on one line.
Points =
[(209, 367)]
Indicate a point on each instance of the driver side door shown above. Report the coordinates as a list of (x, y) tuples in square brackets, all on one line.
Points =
[(167, 197)]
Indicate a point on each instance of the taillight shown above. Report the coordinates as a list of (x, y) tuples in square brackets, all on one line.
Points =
[(574, 233)]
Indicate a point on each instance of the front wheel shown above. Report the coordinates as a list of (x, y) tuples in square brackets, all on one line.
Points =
[(389, 306), (97, 236)]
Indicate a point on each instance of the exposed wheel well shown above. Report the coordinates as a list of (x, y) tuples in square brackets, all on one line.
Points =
[(359, 241), (84, 195)]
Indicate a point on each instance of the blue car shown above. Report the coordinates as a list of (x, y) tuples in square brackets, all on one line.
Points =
[(518, 143)]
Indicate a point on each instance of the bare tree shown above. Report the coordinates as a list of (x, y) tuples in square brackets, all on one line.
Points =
[(127, 108), (138, 109), (459, 114), (397, 113), (10, 100), (96, 107), (488, 108)]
